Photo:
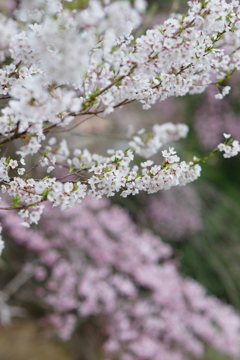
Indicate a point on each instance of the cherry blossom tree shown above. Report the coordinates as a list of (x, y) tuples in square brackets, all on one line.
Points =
[(60, 65)]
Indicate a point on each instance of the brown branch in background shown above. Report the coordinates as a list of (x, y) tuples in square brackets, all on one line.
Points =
[(17, 282), (74, 126), (15, 136), (32, 168)]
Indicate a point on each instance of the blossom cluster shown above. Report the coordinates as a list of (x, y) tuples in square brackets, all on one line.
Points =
[(59, 65), (86, 265), (231, 149), (147, 145)]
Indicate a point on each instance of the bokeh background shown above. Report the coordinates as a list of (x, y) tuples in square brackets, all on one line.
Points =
[(201, 221)]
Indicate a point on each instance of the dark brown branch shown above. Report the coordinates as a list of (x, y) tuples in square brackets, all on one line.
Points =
[(13, 137)]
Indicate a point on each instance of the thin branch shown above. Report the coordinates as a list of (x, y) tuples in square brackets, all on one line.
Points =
[(32, 168), (107, 136), (13, 137), (73, 127), (18, 281)]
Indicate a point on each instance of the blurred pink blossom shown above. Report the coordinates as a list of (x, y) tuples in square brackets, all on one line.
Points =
[(100, 264), (175, 213)]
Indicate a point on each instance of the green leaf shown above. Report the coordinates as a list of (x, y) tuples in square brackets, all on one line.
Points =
[(32, 205), (183, 16), (7, 161), (45, 153), (45, 192), (15, 201)]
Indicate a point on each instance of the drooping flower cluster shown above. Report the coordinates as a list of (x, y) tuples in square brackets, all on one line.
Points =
[(95, 262), (58, 65)]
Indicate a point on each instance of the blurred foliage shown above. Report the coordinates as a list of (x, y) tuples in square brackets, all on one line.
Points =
[(170, 6), (212, 354), (75, 4), (212, 255)]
